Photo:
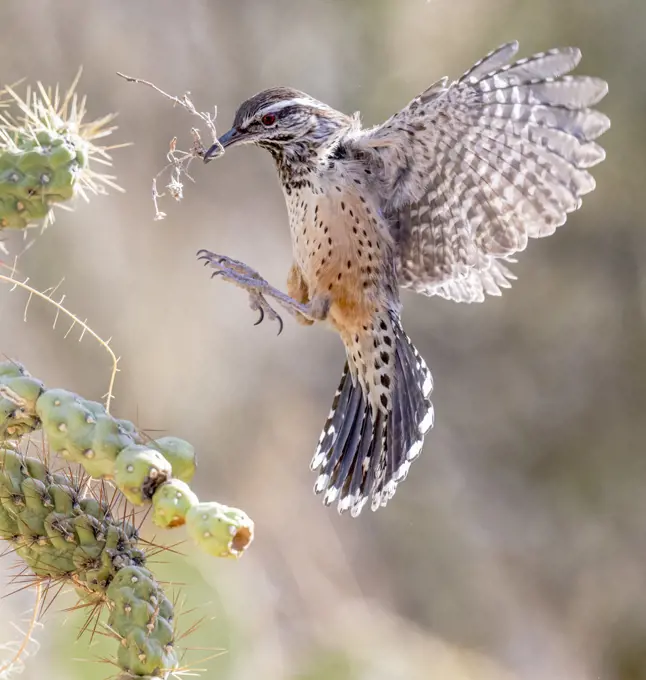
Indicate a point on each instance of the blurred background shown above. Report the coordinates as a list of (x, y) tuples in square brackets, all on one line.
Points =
[(516, 549)]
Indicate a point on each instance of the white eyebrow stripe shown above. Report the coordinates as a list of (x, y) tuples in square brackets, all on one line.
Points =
[(277, 106)]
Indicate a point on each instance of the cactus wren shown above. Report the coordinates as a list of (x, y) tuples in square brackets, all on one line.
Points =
[(437, 200)]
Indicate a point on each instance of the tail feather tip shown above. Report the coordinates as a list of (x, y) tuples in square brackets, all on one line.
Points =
[(321, 483)]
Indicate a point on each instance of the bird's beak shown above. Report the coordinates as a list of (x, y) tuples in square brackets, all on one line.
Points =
[(227, 139)]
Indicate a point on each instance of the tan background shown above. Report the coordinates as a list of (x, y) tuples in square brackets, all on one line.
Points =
[(516, 549)]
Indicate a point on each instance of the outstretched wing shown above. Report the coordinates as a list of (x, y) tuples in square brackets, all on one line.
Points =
[(473, 169)]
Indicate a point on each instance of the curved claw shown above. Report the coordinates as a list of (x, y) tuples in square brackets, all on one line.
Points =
[(216, 274), (280, 325), (261, 317)]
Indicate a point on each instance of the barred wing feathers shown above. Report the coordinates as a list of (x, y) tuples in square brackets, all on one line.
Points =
[(473, 169)]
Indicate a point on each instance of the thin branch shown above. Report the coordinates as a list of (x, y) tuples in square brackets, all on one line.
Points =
[(179, 161), (16, 283)]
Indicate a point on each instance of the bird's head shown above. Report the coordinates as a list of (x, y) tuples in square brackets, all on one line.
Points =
[(286, 122)]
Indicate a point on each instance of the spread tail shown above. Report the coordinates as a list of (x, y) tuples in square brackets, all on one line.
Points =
[(377, 423)]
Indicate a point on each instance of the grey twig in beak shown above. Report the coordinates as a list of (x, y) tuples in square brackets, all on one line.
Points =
[(227, 139), (213, 152)]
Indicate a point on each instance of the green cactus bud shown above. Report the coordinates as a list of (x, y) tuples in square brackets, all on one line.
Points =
[(15, 422), (91, 506), (143, 617), (82, 431), (139, 471), (36, 469), (171, 502), (108, 440), (180, 454), (58, 530), (18, 394), (11, 369), (11, 472), (131, 429), (63, 497), (143, 657), (94, 407), (219, 530), (24, 390), (8, 524), (68, 424)]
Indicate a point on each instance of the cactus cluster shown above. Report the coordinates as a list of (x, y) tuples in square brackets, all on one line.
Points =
[(52, 520), (46, 153), (63, 535), (144, 470)]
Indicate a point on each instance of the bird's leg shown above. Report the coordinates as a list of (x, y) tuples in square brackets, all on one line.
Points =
[(259, 290), (297, 288)]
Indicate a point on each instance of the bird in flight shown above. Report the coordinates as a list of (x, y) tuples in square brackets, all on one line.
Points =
[(437, 199)]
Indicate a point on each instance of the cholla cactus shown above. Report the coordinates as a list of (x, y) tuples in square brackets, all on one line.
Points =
[(48, 154), (145, 471), (63, 533), (64, 536), (54, 523)]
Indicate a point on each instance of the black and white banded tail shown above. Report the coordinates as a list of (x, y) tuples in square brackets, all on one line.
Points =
[(365, 451)]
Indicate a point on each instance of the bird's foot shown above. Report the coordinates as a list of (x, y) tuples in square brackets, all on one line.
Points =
[(257, 288)]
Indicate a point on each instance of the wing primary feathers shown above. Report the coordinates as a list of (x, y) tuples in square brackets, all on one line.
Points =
[(498, 157), (490, 62)]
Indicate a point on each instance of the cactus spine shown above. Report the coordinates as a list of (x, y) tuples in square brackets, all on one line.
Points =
[(48, 154)]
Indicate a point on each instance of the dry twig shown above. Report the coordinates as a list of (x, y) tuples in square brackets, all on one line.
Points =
[(179, 161), (76, 322)]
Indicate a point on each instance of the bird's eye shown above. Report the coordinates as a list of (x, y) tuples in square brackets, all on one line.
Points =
[(268, 119)]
